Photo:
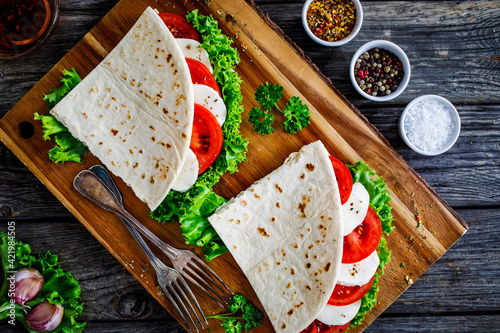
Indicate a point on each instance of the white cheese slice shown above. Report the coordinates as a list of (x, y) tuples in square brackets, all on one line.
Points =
[(188, 175), (209, 98), (190, 48), (338, 315), (359, 273), (354, 210)]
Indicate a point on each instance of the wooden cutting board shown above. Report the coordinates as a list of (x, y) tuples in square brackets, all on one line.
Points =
[(266, 55)]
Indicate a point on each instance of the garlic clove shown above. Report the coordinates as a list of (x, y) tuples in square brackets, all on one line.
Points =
[(45, 317), (28, 283)]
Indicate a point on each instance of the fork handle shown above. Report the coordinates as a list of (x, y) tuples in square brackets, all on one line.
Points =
[(170, 251)]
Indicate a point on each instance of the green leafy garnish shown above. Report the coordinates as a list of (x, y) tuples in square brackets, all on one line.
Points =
[(261, 120), (379, 201), (268, 95), (67, 148), (297, 114), (59, 287), (252, 316), (193, 207)]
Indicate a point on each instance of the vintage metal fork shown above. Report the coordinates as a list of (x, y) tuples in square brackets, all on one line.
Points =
[(170, 280), (186, 262)]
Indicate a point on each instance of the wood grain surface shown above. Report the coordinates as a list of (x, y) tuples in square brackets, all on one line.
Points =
[(450, 174)]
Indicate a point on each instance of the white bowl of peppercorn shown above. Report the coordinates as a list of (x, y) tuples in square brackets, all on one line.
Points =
[(380, 70), (332, 22)]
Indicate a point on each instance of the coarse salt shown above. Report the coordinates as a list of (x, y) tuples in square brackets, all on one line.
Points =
[(428, 125)]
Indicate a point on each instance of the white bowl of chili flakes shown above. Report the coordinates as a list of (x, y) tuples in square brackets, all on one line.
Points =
[(332, 22)]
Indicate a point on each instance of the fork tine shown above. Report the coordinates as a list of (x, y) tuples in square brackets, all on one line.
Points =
[(186, 288), (171, 299), (205, 266), (174, 291), (209, 278), (188, 269)]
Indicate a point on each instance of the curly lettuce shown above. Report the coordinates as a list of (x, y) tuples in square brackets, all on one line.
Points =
[(67, 148), (379, 201), (193, 207), (59, 287)]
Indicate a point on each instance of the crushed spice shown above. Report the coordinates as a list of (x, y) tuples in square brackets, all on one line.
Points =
[(331, 20)]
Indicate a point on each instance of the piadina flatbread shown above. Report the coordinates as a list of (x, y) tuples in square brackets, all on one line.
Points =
[(285, 233), (134, 111)]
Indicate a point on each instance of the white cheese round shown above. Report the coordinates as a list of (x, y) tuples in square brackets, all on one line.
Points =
[(338, 315), (210, 99), (188, 174), (354, 210), (359, 273), (190, 48)]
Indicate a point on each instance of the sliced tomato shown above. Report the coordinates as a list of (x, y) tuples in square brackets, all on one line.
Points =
[(343, 295), (200, 74), (207, 138), (318, 327), (363, 240), (344, 179), (180, 27)]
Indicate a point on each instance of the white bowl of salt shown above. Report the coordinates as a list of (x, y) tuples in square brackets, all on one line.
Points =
[(430, 125)]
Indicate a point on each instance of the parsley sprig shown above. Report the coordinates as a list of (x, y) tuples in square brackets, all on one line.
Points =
[(268, 95), (252, 316)]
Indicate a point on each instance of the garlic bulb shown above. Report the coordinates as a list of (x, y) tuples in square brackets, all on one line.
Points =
[(28, 284), (45, 317)]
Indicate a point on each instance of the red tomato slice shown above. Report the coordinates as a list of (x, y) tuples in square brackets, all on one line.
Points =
[(318, 327), (343, 295), (200, 74), (180, 27), (363, 240), (344, 179), (207, 138)]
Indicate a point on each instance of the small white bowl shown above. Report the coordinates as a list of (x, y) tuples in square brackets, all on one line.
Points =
[(394, 49), (454, 116), (354, 32)]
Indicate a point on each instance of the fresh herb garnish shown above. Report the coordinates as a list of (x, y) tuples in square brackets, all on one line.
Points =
[(252, 316), (261, 120), (59, 287), (67, 148), (268, 95), (379, 201)]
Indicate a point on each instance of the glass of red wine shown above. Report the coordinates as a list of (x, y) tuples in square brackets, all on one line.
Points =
[(25, 25)]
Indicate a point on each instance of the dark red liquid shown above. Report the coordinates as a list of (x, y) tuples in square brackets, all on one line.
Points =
[(22, 23)]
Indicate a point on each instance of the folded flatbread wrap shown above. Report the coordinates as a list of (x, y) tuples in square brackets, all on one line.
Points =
[(285, 233), (134, 111)]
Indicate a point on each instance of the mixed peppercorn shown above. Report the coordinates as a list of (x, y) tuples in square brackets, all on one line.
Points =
[(378, 72), (331, 20)]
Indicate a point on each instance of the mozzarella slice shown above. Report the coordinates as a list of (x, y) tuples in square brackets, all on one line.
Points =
[(210, 99), (354, 210), (359, 273), (338, 315), (188, 175), (190, 48)]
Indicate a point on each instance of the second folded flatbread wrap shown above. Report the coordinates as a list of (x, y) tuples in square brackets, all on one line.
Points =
[(285, 233)]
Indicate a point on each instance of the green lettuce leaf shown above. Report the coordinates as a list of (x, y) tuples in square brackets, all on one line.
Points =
[(59, 287), (69, 81), (193, 207), (379, 201), (67, 148)]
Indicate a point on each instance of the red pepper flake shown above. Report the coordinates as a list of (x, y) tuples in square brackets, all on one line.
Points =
[(331, 20)]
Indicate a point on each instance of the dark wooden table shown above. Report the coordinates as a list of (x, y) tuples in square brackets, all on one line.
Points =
[(454, 50)]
